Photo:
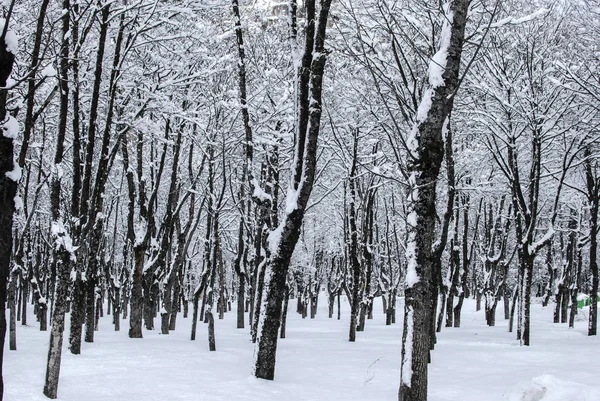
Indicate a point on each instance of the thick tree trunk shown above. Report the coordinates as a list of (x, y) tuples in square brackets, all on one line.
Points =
[(77, 314), (593, 188), (8, 191), (268, 329), (137, 296), (426, 148), (211, 330), (90, 307), (353, 245), (304, 170), (58, 325)]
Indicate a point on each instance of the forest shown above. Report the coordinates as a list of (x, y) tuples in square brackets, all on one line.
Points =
[(165, 163)]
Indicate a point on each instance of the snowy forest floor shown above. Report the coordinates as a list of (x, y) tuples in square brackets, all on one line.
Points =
[(314, 362)]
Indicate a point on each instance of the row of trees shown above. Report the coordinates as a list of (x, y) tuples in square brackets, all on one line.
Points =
[(170, 153)]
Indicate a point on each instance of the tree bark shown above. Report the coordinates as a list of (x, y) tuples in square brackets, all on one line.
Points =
[(426, 147), (304, 170)]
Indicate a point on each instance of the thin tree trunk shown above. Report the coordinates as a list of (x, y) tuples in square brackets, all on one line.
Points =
[(284, 312)]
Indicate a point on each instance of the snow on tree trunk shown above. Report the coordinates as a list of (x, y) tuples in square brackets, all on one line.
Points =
[(282, 240), (426, 151)]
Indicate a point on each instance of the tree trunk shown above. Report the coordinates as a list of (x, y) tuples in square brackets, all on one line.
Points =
[(12, 304), (304, 170), (593, 188), (77, 313), (24, 301), (211, 329), (241, 300), (8, 191), (284, 312), (195, 316), (426, 147), (58, 324), (137, 297)]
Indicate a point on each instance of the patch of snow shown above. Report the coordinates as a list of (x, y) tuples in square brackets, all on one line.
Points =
[(274, 238), (407, 360), (15, 173), (550, 388), (533, 248), (10, 128), (11, 39), (437, 66), (516, 21), (412, 276), (49, 71), (424, 106), (63, 239), (259, 193), (18, 202), (291, 201)]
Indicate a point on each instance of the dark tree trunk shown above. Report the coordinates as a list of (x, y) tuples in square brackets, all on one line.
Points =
[(211, 330), (353, 245), (195, 316), (58, 325), (12, 304), (426, 149), (117, 309), (284, 312), (593, 189), (241, 300), (506, 299), (62, 253), (515, 298), (331, 304), (137, 296), (304, 171), (77, 313), (90, 307), (551, 275), (24, 301), (8, 191)]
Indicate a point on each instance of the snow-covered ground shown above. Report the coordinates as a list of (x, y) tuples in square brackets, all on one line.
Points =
[(314, 362)]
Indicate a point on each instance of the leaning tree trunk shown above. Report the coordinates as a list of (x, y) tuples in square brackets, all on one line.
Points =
[(283, 240)]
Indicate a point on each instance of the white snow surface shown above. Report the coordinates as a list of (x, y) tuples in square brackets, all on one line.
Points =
[(315, 362)]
